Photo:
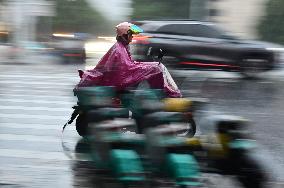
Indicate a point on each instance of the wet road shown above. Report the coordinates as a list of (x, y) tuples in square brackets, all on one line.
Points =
[(36, 100), (259, 100)]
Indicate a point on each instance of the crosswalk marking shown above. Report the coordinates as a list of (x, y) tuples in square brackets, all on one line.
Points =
[(33, 82), (38, 167), (40, 86), (34, 126), (34, 105), (39, 76), (28, 116), (37, 92), (33, 102), (33, 154), (56, 139), (33, 108), (28, 95)]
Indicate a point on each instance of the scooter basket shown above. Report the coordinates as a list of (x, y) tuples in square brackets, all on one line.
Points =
[(95, 96)]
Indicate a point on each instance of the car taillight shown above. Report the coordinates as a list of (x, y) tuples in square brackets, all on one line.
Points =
[(140, 39), (72, 55)]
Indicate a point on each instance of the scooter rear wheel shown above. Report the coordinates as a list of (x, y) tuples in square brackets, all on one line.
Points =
[(82, 125)]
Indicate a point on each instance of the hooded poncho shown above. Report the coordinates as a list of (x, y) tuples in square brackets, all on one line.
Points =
[(116, 68)]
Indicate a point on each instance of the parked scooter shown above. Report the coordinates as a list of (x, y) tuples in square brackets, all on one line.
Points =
[(228, 151), (160, 153), (128, 157), (143, 103)]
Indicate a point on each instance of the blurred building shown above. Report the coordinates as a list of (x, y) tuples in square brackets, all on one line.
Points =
[(198, 9), (20, 17), (237, 16), (113, 10)]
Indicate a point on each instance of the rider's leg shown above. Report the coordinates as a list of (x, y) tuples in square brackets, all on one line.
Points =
[(164, 81)]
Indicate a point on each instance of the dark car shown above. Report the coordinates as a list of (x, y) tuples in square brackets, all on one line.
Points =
[(70, 48), (201, 45)]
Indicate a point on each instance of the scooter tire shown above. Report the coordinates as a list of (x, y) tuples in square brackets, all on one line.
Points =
[(82, 125), (192, 128), (250, 173), (190, 133)]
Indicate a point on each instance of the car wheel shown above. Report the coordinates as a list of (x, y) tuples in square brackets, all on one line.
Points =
[(65, 60), (82, 61)]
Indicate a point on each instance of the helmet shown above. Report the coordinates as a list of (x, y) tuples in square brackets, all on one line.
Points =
[(124, 27)]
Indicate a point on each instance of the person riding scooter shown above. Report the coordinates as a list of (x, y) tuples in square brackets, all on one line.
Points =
[(116, 68)]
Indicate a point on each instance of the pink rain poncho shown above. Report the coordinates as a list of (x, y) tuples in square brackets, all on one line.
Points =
[(117, 68)]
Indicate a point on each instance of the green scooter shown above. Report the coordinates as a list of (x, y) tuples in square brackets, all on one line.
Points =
[(129, 157), (228, 151)]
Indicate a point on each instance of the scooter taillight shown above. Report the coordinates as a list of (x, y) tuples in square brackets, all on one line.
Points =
[(116, 102), (188, 115), (140, 39)]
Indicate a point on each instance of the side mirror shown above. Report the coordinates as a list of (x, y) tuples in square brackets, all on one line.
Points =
[(155, 54), (149, 52), (161, 54)]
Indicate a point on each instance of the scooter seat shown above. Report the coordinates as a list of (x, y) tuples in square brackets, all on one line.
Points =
[(97, 96), (159, 118), (102, 114), (124, 139)]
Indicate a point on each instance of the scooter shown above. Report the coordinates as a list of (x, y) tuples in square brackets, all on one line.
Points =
[(139, 103), (228, 151), (142, 103), (160, 153), (129, 157)]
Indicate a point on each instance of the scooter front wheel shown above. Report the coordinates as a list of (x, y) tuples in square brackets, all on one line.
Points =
[(191, 129), (249, 171)]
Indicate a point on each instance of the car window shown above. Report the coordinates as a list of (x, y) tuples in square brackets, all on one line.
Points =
[(62, 42), (195, 30), (149, 27), (208, 32), (178, 29), (4, 37)]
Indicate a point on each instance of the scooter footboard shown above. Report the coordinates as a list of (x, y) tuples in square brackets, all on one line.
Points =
[(126, 165), (184, 169)]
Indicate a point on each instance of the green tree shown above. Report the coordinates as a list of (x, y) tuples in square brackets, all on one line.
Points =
[(271, 27), (160, 9), (78, 16)]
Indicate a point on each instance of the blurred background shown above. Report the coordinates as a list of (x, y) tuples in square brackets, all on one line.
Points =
[(30, 25), (44, 42)]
